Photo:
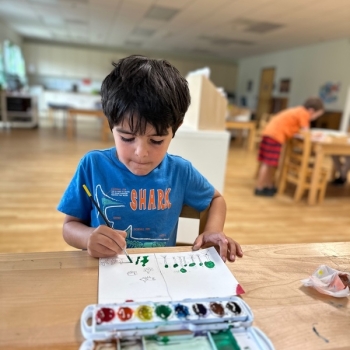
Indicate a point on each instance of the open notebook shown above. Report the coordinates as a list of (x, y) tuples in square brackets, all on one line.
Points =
[(165, 277)]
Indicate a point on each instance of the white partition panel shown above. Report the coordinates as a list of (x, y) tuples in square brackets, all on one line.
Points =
[(207, 151)]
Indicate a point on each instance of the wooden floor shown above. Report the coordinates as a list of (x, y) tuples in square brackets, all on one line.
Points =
[(36, 166)]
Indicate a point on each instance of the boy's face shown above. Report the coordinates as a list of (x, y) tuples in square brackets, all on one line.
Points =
[(140, 153)]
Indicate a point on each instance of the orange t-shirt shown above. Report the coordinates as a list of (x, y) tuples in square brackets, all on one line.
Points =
[(287, 123)]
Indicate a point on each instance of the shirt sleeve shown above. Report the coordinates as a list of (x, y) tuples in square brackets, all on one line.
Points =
[(75, 201), (199, 191), (304, 120)]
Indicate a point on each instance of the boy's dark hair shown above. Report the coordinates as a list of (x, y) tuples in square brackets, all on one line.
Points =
[(152, 91), (314, 103)]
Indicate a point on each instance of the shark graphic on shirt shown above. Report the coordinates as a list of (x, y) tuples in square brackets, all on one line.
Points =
[(106, 203)]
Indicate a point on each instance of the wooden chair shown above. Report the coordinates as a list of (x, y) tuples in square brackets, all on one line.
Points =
[(191, 213), (296, 168)]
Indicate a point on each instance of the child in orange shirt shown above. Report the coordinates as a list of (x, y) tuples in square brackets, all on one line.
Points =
[(279, 129)]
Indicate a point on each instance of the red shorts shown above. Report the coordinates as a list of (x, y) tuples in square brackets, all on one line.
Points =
[(269, 151)]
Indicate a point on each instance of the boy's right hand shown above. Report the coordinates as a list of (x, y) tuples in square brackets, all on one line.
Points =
[(105, 242)]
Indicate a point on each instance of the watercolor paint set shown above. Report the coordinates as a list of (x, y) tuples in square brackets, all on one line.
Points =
[(201, 324)]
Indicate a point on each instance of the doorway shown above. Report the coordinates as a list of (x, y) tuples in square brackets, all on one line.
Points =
[(265, 91)]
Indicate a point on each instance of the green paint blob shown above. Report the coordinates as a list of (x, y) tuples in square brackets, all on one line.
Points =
[(183, 270), (225, 340), (192, 264), (144, 313), (209, 264), (144, 260), (163, 311), (166, 266), (201, 264), (165, 340), (175, 266)]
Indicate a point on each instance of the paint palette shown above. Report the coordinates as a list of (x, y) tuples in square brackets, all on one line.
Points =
[(145, 318), (199, 324)]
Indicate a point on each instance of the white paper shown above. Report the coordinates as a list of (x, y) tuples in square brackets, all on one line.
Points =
[(188, 275)]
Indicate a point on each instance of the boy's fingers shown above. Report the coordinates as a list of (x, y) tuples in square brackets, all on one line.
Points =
[(223, 249), (101, 251), (122, 233), (110, 239), (239, 251), (116, 236), (220, 240), (198, 242), (235, 250)]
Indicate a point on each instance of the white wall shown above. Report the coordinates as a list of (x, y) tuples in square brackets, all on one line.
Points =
[(6, 33), (44, 60), (307, 67)]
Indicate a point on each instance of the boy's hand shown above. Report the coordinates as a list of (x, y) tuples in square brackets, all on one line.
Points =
[(105, 242), (228, 248)]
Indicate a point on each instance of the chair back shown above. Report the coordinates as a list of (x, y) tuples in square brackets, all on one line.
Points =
[(191, 213), (297, 158), (296, 167)]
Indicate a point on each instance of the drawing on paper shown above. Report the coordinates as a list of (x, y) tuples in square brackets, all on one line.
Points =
[(111, 261), (147, 278), (143, 261), (150, 278), (183, 270), (175, 263), (200, 261), (132, 273), (209, 264), (165, 262)]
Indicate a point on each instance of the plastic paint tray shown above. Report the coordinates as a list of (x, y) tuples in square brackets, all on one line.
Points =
[(200, 324)]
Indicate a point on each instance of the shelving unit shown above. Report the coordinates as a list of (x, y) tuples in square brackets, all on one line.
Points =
[(18, 110), (208, 107)]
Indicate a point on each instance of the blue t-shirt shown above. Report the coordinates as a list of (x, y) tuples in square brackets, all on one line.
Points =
[(146, 207)]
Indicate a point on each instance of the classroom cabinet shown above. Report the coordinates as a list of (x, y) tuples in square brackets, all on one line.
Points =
[(18, 110)]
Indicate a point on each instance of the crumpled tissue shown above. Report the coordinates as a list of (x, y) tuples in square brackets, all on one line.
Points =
[(329, 281)]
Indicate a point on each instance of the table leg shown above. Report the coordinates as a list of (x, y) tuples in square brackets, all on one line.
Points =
[(239, 137), (70, 125), (251, 138), (316, 173), (51, 116), (281, 173)]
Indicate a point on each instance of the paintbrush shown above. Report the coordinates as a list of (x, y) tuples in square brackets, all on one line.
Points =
[(105, 219)]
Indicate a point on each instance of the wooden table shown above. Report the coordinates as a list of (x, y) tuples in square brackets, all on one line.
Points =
[(71, 121), (321, 149), (250, 126), (42, 296)]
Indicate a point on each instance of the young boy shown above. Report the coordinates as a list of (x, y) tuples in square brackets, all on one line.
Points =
[(279, 129), (140, 187)]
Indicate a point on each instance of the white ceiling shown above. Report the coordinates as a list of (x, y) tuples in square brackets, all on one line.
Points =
[(224, 29)]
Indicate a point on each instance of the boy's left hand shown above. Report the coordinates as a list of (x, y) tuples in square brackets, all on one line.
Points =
[(228, 248)]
